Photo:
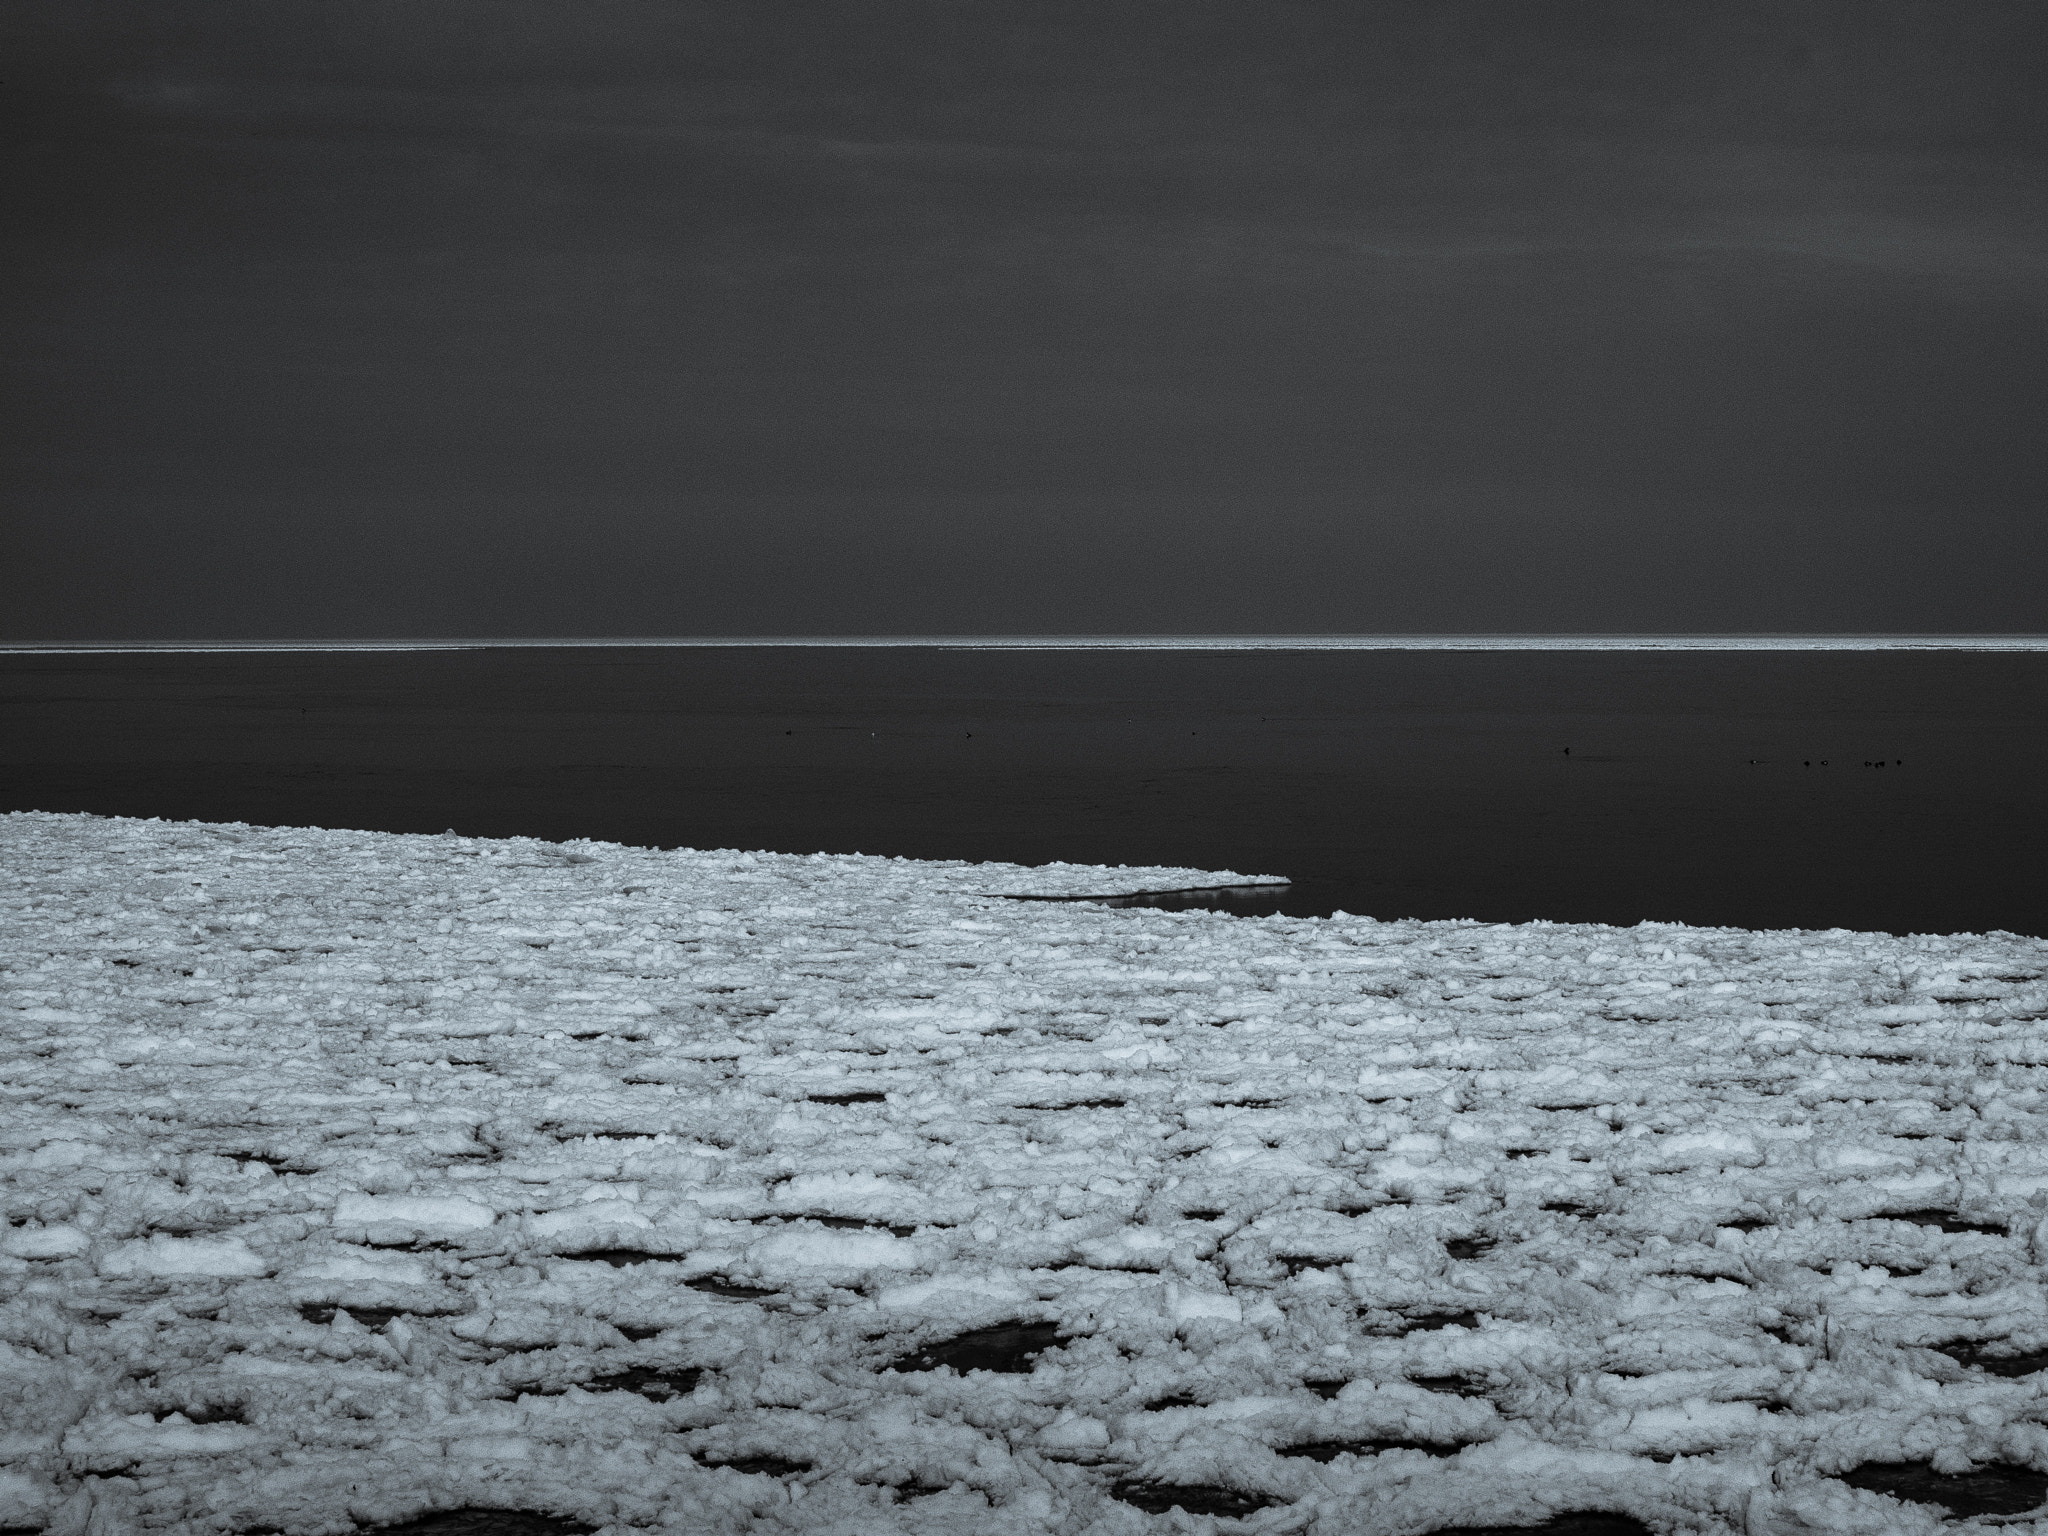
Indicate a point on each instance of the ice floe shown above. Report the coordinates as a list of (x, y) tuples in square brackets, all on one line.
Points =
[(353, 1177)]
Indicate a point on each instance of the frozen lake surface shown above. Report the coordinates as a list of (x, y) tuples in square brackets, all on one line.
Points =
[(352, 1176)]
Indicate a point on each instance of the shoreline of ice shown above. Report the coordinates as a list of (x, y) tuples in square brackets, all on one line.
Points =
[(1611, 1209)]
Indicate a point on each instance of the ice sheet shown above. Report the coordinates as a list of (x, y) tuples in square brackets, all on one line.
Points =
[(351, 1175)]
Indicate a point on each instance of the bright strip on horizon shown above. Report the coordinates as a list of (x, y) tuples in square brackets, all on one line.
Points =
[(1732, 642)]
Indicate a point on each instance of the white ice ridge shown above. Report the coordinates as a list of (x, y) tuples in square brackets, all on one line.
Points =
[(350, 1176), (1501, 642)]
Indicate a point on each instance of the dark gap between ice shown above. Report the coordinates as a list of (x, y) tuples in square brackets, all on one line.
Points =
[(654, 1383), (713, 1285), (1205, 897), (487, 1522), (208, 1413), (1469, 1247), (371, 1318), (1748, 1224), (1078, 1104), (1948, 1221), (1326, 1390), (1203, 1215), (1519, 1152), (1177, 1400), (1431, 1322), (849, 1098), (1295, 1263), (1195, 1498), (1997, 1489), (761, 1466), (177, 1226), (1570, 1208), (1330, 1450), (1459, 1386), (1971, 1352), (269, 1160), (620, 1258), (1009, 1348)]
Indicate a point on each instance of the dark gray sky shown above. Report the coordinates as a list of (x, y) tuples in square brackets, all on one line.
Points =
[(749, 316)]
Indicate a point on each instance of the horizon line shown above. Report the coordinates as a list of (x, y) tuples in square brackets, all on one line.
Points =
[(1483, 641)]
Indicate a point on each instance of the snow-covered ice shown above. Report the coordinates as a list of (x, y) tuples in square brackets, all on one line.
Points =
[(351, 1176)]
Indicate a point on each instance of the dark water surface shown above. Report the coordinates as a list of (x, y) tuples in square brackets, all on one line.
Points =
[(1705, 787)]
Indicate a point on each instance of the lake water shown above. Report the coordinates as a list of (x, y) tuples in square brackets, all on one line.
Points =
[(1738, 788)]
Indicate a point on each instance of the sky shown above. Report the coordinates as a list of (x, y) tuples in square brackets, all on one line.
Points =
[(633, 318)]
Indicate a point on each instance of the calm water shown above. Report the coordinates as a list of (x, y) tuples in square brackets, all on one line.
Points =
[(1711, 788)]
